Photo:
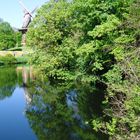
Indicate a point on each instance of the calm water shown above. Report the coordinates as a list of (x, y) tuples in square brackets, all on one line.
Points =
[(34, 109), (14, 124)]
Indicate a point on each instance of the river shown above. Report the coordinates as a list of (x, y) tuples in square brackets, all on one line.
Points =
[(34, 109)]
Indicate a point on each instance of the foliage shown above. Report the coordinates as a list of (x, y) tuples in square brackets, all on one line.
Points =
[(8, 81), (96, 42), (8, 59), (123, 83), (8, 37), (22, 59)]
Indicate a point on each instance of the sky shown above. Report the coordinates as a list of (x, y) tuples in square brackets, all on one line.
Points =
[(12, 12)]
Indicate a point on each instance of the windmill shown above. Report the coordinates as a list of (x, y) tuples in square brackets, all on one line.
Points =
[(27, 15), (26, 21)]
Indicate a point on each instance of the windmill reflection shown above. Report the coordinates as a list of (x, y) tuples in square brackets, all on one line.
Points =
[(27, 76)]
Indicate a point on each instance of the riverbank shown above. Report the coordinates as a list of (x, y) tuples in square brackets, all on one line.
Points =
[(13, 53), (9, 59), (15, 57)]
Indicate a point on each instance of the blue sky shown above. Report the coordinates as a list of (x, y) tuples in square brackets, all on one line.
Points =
[(11, 11)]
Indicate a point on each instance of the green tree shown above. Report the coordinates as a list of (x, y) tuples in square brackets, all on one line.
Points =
[(122, 101), (95, 42), (8, 37)]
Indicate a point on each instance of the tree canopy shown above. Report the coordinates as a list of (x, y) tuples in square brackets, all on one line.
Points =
[(8, 37), (95, 42)]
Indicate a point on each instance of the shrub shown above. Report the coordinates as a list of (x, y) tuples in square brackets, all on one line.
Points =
[(8, 59)]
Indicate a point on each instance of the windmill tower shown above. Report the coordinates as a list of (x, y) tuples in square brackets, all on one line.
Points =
[(26, 21)]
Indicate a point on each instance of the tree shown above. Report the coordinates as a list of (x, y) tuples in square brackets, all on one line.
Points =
[(95, 42), (8, 38)]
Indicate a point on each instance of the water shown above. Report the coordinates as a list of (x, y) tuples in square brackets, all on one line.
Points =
[(14, 124), (31, 109)]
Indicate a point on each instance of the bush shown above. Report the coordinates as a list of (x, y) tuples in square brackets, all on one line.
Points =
[(22, 59), (8, 59)]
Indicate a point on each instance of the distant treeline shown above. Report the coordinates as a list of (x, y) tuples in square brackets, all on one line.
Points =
[(9, 38)]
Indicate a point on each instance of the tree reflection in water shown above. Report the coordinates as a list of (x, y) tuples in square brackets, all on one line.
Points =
[(60, 112), (8, 81), (12, 77)]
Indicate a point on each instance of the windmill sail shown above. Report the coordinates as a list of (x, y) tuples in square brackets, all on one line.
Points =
[(25, 9), (34, 10)]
